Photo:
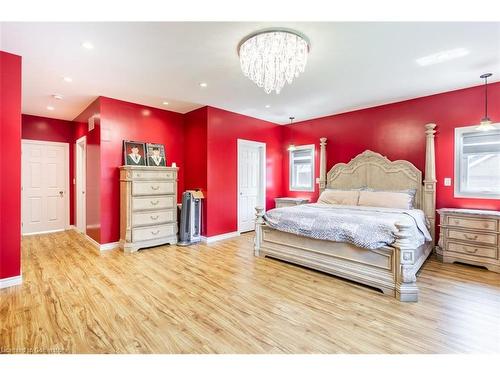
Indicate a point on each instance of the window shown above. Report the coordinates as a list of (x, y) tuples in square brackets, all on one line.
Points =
[(302, 168), (477, 163)]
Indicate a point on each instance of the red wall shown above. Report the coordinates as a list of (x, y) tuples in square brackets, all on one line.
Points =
[(128, 121), (93, 167), (195, 156), (10, 177), (397, 131), (224, 128), (52, 130)]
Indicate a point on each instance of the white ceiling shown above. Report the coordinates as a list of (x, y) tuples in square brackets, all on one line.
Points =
[(351, 65)]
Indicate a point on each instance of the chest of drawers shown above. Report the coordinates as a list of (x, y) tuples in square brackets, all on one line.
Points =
[(470, 236), (148, 207)]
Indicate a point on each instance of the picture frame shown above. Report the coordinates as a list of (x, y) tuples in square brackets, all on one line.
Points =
[(156, 156), (134, 153)]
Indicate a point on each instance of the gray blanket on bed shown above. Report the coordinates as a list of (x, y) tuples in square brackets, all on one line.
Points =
[(366, 227)]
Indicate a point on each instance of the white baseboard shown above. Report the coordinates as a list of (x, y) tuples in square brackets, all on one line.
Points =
[(220, 237), (44, 232), (109, 246), (11, 281), (104, 246)]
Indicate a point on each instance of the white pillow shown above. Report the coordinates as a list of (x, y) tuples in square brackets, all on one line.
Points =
[(344, 197), (385, 199), (412, 192)]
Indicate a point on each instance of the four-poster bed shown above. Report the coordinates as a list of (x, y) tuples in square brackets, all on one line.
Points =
[(390, 268)]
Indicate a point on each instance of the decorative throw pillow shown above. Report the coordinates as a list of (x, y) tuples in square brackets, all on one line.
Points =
[(385, 199), (344, 197)]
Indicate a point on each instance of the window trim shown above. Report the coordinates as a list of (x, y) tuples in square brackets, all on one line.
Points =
[(290, 167), (457, 193)]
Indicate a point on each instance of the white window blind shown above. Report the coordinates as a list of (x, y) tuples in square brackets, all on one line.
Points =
[(302, 168), (477, 163)]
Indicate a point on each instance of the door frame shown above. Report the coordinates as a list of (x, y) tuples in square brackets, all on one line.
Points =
[(262, 173), (81, 174), (66, 182)]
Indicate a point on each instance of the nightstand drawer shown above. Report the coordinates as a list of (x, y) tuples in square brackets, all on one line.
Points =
[(485, 238), (486, 224), (486, 252)]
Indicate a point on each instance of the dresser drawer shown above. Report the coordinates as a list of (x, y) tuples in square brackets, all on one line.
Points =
[(152, 188), (153, 218), (485, 238), (152, 233), (486, 252), (486, 224), (152, 203), (154, 175)]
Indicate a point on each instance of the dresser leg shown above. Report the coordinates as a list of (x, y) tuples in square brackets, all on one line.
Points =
[(493, 268)]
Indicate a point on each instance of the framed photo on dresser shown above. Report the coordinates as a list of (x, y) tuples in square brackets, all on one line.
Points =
[(156, 155), (134, 153)]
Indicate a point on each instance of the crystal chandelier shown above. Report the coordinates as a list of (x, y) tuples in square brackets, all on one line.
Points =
[(272, 57)]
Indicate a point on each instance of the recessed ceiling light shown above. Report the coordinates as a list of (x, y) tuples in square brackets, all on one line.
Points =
[(268, 106), (87, 45), (57, 96), (68, 79), (146, 112), (203, 84), (165, 103), (50, 108), (443, 56)]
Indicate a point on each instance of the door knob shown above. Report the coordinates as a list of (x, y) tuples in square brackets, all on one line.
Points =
[(61, 193)]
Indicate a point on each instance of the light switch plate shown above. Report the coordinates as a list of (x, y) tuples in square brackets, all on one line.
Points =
[(447, 181)]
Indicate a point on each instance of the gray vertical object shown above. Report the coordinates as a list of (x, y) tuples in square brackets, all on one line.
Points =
[(190, 224)]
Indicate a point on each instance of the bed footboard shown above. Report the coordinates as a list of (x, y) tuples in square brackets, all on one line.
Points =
[(392, 269)]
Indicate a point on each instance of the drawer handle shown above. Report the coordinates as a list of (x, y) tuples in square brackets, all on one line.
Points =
[(457, 222), (154, 203), (154, 217), (154, 233), (470, 237), (486, 225), (469, 250), (138, 175), (155, 187)]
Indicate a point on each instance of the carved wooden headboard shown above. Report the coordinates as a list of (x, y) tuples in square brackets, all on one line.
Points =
[(372, 170)]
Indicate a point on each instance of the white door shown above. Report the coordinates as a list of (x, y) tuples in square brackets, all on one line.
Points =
[(45, 174), (81, 148), (251, 182)]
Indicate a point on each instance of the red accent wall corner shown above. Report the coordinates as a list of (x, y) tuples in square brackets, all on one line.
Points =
[(10, 177)]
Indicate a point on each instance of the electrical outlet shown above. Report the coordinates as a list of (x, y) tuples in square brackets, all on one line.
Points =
[(447, 181)]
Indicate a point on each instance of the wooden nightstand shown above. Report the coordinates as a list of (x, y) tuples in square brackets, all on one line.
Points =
[(287, 202), (470, 236)]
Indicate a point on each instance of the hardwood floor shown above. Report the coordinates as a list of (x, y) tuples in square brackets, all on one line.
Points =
[(219, 298)]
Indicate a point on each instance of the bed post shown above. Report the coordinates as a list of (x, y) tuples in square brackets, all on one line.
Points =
[(406, 280), (259, 222), (322, 164), (429, 195)]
